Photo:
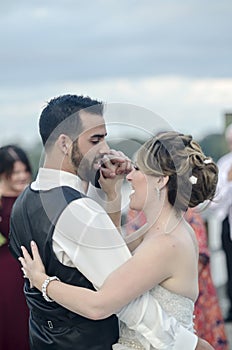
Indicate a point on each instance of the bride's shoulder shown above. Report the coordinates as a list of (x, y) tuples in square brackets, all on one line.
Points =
[(162, 244)]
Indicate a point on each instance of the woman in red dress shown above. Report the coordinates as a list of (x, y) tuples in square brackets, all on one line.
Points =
[(15, 174), (209, 323)]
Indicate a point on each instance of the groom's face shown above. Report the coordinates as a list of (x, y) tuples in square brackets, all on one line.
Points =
[(90, 147)]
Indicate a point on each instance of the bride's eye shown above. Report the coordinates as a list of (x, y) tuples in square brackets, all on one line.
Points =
[(136, 167)]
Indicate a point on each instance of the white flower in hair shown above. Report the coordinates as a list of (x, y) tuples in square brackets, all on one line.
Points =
[(193, 179), (207, 161)]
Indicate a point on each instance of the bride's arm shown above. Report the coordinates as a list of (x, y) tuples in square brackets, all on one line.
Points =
[(112, 189), (137, 275)]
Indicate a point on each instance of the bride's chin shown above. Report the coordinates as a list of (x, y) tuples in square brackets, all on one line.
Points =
[(132, 206)]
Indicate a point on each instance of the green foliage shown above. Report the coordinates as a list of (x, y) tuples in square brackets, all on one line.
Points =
[(214, 145), (129, 146), (34, 154)]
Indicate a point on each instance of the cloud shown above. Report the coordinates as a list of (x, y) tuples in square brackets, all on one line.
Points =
[(189, 105), (59, 41), (171, 57)]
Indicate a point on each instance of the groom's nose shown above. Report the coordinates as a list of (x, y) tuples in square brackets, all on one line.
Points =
[(103, 147)]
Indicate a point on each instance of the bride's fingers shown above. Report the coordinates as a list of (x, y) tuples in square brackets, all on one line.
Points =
[(26, 255), (22, 261), (35, 251), (23, 268), (24, 272)]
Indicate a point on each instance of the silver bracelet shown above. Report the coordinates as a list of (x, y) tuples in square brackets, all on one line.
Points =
[(45, 285)]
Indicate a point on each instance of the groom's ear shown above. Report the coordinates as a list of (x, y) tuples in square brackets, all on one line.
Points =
[(64, 143)]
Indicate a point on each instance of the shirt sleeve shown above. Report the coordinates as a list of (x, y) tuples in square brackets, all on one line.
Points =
[(86, 238), (97, 194)]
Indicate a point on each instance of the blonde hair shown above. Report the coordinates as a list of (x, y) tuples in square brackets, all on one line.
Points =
[(181, 158)]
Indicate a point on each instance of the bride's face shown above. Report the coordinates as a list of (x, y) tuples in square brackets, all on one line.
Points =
[(143, 189)]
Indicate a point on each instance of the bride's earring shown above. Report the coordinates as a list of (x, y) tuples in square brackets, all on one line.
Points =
[(158, 192)]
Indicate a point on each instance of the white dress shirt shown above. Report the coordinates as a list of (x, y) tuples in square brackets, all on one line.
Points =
[(86, 238), (222, 204)]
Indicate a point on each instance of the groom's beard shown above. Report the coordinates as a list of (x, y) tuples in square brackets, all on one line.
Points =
[(82, 165)]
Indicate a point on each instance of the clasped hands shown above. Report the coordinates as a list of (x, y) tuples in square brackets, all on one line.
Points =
[(115, 165)]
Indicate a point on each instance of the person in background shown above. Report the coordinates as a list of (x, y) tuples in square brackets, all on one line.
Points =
[(222, 209), (208, 321), (15, 175)]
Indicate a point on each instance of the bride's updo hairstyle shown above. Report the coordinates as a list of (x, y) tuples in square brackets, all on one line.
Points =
[(192, 176)]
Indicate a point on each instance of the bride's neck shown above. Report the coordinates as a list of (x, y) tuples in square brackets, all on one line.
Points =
[(163, 219)]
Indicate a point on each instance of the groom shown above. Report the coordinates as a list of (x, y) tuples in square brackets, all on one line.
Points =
[(73, 132)]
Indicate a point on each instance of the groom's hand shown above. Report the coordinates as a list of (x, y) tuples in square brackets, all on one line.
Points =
[(115, 163)]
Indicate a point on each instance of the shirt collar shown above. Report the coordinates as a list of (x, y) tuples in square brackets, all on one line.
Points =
[(50, 178)]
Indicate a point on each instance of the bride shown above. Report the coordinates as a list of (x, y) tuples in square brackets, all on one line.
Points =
[(170, 175)]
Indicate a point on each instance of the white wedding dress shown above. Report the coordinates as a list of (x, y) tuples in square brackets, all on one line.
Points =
[(173, 304)]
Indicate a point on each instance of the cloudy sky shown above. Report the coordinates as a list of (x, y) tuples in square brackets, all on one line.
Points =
[(171, 58)]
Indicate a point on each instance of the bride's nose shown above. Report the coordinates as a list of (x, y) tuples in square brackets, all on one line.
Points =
[(129, 176)]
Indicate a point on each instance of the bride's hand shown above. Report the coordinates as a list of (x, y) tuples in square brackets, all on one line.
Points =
[(111, 185), (33, 266)]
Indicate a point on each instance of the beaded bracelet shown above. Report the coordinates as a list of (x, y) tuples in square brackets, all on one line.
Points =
[(45, 285)]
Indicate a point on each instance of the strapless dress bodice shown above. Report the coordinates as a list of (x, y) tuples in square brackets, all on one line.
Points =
[(173, 304)]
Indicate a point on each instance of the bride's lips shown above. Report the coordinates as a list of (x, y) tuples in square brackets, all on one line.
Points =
[(132, 192)]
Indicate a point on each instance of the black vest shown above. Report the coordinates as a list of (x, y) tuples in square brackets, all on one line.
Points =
[(34, 216)]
